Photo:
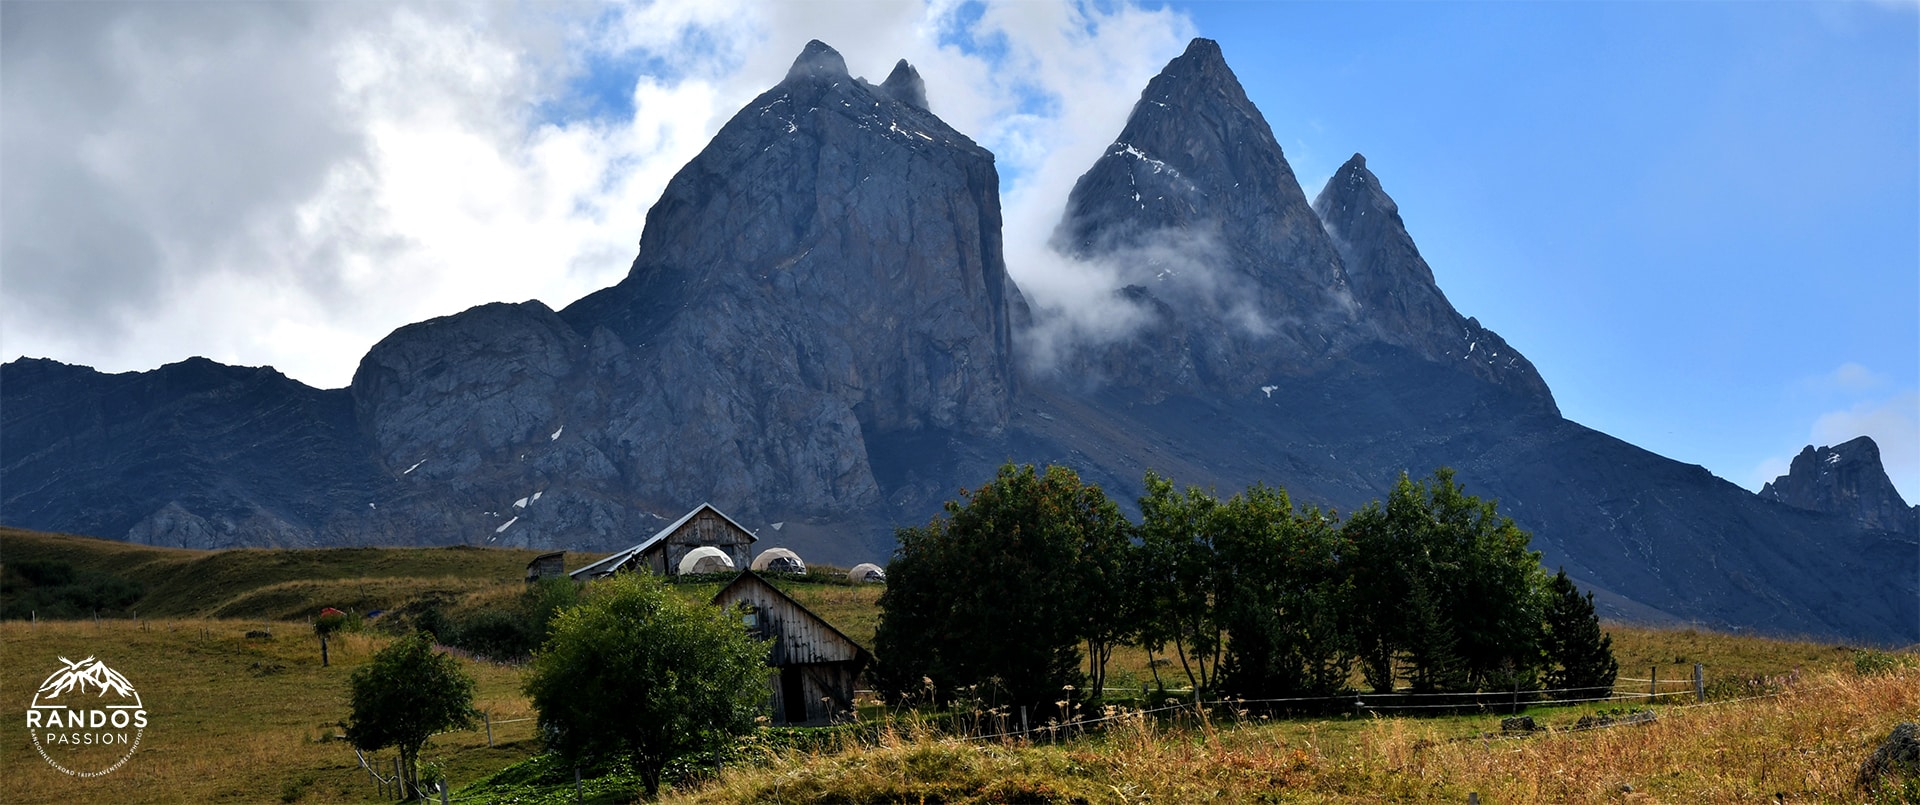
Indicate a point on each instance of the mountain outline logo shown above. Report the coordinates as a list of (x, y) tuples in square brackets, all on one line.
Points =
[(83, 735)]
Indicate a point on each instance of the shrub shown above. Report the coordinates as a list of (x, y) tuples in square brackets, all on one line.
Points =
[(1868, 662), (636, 671)]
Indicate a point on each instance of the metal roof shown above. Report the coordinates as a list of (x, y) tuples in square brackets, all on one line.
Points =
[(612, 563)]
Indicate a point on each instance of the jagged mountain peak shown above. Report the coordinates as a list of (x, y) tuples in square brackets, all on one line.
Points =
[(904, 85), (1399, 299), (818, 60), (1197, 96), (829, 267), (1194, 202), (1354, 184), (1848, 479)]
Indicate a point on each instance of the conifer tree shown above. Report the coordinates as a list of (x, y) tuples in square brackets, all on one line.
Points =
[(1580, 662)]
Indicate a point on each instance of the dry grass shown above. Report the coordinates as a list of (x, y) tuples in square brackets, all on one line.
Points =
[(1804, 745), (231, 719)]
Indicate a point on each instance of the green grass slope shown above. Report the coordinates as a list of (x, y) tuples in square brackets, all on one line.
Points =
[(275, 584)]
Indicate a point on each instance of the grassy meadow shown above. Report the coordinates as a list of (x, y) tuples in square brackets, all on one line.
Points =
[(239, 719)]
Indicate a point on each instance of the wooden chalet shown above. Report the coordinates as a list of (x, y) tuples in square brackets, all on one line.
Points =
[(546, 565), (814, 664), (661, 553)]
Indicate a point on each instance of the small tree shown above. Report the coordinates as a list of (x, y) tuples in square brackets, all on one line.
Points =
[(635, 671), (1580, 662), (404, 695)]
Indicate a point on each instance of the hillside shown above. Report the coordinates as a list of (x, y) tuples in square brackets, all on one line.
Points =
[(261, 583)]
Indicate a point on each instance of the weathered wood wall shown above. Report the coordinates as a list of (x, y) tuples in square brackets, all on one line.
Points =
[(706, 528), (799, 644), (547, 565)]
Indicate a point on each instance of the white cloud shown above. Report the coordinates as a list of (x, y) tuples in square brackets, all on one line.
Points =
[(1849, 377), (284, 184)]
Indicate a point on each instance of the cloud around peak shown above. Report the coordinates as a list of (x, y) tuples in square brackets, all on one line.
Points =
[(285, 184)]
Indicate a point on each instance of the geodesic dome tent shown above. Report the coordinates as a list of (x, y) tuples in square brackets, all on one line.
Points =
[(866, 572), (779, 560), (705, 559)]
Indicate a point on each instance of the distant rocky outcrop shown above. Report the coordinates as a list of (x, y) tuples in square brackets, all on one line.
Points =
[(1846, 479)]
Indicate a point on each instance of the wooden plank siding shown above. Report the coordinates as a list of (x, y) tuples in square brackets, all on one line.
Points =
[(661, 553), (814, 665), (709, 527)]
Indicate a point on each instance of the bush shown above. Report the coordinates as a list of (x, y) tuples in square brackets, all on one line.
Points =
[(48, 588), (1868, 662), (636, 671), (332, 620)]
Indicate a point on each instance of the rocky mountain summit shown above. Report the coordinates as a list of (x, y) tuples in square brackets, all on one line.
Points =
[(1396, 293), (819, 336), (1846, 479)]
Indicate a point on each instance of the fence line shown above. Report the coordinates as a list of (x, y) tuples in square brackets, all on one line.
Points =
[(1476, 699)]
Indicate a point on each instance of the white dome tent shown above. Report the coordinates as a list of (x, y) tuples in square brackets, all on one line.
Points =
[(705, 559), (779, 560), (866, 573)]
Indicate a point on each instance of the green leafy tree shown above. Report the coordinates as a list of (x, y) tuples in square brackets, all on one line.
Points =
[(1178, 578), (405, 694), (636, 672), (1445, 592), (999, 593), (1580, 661), (1280, 595), (1378, 582)]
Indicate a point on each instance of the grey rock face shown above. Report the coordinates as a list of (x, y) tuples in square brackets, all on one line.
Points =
[(1197, 206), (827, 272), (1846, 479), (1396, 292), (904, 85), (469, 415)]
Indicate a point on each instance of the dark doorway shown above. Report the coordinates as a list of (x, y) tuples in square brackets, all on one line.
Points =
[(793, 695)]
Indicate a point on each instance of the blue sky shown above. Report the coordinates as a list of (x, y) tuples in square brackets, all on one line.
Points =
[(1701, 221)]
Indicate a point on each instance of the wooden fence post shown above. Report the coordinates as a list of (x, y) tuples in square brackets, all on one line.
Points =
[(1023, 721), (1653, 683), (323, 651), (1700, 683), (577, 796), (489, 719)]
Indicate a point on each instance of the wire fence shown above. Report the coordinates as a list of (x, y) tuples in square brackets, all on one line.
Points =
[(1181, 701), (1659, 691)]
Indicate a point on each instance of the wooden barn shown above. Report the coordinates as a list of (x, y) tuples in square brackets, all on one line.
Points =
[(661, 554), (546, 565), (814, 664)]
